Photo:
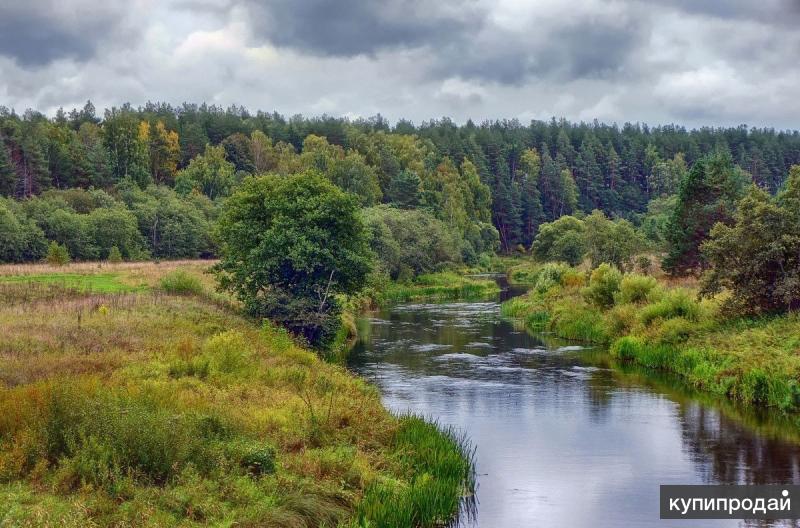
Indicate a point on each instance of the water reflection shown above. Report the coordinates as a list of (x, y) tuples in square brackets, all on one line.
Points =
[(562, 439)]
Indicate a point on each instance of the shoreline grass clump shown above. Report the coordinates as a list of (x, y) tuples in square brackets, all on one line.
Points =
[(755, 361), (175, 410), (445, 475)]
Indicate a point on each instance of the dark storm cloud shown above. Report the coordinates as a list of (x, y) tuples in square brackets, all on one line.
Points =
[(36, 32), (353, 27)]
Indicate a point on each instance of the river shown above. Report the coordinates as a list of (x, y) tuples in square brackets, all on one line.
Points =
[(562, 438)]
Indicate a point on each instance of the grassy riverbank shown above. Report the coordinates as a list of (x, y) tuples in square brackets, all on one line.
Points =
[(438, 287), (134, 395), (658, 325)]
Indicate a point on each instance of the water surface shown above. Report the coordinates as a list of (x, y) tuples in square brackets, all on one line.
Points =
[(562, 439)]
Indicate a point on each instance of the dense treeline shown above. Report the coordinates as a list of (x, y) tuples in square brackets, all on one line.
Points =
[(503, 173)]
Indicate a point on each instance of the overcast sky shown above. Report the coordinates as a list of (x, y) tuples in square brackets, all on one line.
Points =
[(692, 62)]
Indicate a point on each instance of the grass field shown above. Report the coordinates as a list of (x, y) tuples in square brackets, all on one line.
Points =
[(131, 395), (660, 325)]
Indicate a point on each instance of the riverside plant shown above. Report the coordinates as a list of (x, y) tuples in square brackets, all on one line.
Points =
[(645, 321)]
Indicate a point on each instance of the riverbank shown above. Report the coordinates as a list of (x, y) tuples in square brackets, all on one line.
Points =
[(651, 323), (134, 394)]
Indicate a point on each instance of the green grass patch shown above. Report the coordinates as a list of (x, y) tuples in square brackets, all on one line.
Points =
[(180, 282), (444, 476), (439, 287), (80, 282)]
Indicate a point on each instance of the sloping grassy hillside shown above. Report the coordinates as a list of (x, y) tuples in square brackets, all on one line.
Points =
[(139, 407), (654, 324)]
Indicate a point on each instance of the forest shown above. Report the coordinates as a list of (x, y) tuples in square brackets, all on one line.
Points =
[(153, 176)]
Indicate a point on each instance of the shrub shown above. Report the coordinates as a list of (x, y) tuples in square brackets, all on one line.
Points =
[(627, 348), (673, 303), (57, 255), (622, 318), (635, 288), (549, 275), (562, 240), (114, 256), (256, 457), (676, 330), (227, 352), (181, 283), (572, 320), (603, 285)]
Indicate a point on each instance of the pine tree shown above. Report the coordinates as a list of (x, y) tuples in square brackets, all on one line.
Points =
[(707, 195)]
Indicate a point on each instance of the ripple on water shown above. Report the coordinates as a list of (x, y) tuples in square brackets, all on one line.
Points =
[(429, 347), (456, 356)]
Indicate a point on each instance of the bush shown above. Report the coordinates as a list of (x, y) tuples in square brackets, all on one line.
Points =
[(410, 242), (549, 275), (562, 240), (57, 255), (673, 303), (676, 330), (181, 283), (628, 348), (635, 288), (603, 285), (114, 256), (578, 321), (227, 352)]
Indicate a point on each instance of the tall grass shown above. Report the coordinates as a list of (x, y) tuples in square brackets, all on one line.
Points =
[(444, 480), (117, 408)]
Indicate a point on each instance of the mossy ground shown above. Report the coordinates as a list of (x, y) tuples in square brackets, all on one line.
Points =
[(130, 406)]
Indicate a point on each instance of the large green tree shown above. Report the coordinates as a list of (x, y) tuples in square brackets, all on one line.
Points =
[(757, 257), (289, 246), (707, 195)]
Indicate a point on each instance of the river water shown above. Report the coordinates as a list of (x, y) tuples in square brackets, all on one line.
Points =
[(562, 438)]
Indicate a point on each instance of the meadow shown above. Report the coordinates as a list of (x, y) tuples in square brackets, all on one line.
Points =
[(133, 394), (661, 324)]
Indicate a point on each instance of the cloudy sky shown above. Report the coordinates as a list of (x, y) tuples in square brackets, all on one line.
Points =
[(692, 62)]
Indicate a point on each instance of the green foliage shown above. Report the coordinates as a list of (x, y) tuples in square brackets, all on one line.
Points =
[(654, 223), (181, 283), (707, 195), (439, 286), (404, 189), (409, 242), (635, 288), (604, 284), (114, 255), (20, 238), (210, 173), (674, 303), (57, 255), (109, 227), (562, 240), (615, 242), (289, 246), (757, 258), (444, 464), (173, 226)]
